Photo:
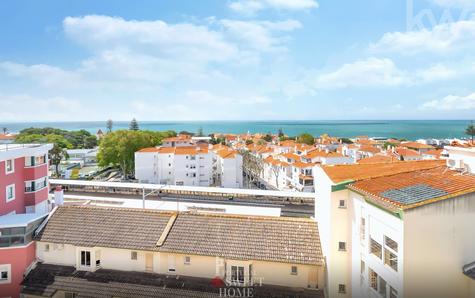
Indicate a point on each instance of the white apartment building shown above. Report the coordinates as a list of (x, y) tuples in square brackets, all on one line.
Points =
[(397, 230), (189, 165)]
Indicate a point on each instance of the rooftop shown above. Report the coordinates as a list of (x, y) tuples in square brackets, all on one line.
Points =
[(45, 280), (277, 239), (355, 172), (416, 188)]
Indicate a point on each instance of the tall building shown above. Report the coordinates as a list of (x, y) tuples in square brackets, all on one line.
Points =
[(23, 206)]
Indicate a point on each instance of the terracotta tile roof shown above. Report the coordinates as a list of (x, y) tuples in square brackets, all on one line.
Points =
[(322, 153), (304, 177), (299, 164), (416, 188), (370, 149), (342, 173), (288, 143), (190, 150), (227, 153), (435, 152), (108, 227), (291, 156), (275, 239), (407, 152), (7, 137), (416, 145), (150, 150), (378, 159), (46, 280), (275, 162)]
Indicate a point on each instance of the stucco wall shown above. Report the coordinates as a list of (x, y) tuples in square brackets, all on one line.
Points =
[(439, 241)]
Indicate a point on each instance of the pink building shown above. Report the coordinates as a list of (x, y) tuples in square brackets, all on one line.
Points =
[(23, 206)]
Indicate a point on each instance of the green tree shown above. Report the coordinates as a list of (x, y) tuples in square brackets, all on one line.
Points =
[(267, 137), (200, 132), (280, 134), (249, 142), (118, 148), (76, 139), (4, 130), (56, 154), (306, 138), (346, 141), (470, 130), (109, 125), (134, 125)]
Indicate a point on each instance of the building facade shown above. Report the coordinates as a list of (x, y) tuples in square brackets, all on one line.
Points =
[(23, 206)]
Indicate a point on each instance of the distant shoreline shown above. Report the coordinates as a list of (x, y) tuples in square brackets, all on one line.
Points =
[(409, 129)]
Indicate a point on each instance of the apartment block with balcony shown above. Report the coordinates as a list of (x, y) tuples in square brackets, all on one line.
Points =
[(23, 206), (200, 165)]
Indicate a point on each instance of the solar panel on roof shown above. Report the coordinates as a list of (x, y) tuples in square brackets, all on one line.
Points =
[(413, 194)]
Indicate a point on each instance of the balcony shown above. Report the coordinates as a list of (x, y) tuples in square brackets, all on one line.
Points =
[(18, 229), (36, 172), (36, 196)]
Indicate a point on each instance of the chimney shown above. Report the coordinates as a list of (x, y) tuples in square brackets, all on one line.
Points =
[(58, 196)]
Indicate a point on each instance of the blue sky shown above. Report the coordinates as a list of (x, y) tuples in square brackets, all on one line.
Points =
[(236, 59)]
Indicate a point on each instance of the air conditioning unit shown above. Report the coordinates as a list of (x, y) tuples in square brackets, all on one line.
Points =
[(455, 163)]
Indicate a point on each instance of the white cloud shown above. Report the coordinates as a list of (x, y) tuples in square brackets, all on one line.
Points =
[(24, 107), (436, 72), (464, 4), (44, 74), (259, 35), (452, 103), (183, 40), (442, 38), (252, 6), (204, 97), (363, 73)]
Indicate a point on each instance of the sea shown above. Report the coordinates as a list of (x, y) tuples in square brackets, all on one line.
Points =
[(408, 129)]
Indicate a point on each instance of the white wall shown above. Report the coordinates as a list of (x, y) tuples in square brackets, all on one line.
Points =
[(378, 223)]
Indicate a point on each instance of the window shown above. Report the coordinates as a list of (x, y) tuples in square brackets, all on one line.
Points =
[(10, 190), (390, 259), (237, 274), (382, 287), (46, 247), (390, 243), (363, 228), (86, 258), (70, 295), (362, 267), (187, 260), (35, 160), (342, 246), (133, 255), (341, 288), (5, 276), (375, 248), (373, 279), (294, 270), (342, 204), (35, 185), (192, 157), (9, 166), (392, 292)]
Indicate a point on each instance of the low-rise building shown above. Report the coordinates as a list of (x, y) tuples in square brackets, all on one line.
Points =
[(239, 250)]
